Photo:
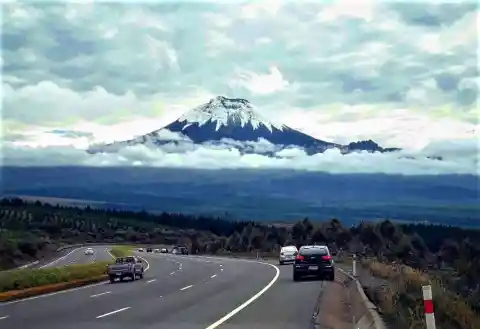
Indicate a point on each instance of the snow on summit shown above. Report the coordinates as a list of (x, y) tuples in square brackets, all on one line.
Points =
[(233, 123), (227, 111)]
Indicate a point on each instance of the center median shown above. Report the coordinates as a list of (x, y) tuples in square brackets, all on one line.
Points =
[(23, 283)]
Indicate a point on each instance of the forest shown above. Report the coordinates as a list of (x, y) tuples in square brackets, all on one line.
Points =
[(29, 230)]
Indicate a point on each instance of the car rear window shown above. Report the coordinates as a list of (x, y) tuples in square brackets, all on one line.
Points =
[(314, 251), (289, 249)]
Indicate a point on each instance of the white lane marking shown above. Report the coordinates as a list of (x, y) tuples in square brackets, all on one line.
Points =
[(221, 269), (113, 312), (221, 265), (66, 290), (172, 273), (152, 280), (3, 317), (101, 294), (53, 293), (187, 287), (248, 302), (213, 276), (59, 259)]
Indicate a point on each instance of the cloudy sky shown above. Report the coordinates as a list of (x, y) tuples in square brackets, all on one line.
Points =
[(402, 74)]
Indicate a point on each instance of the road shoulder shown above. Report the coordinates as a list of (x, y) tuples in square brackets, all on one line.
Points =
[(334, 308)]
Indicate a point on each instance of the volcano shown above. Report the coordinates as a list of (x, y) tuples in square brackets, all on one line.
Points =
[(234, 123)]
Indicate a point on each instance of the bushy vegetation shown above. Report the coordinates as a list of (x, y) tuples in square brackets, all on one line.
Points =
[(121, 251), (400, 298), (28, 278), (450, 255)]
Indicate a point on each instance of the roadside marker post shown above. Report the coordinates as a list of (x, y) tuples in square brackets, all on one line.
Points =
[(428, 307), (354, 265)]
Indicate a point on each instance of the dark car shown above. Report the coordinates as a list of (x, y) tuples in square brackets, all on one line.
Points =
[(149, 250), (314, 261)]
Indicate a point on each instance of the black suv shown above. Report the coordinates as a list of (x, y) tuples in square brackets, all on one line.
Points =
[(314, 260)]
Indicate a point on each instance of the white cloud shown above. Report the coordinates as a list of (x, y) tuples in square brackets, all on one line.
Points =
[(342, 71), (459, 157)]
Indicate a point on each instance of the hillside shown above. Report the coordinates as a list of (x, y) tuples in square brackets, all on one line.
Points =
[(423, 246), (275, 195)]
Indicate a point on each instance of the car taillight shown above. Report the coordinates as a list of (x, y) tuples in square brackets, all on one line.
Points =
[(327, 257), (299, 257)]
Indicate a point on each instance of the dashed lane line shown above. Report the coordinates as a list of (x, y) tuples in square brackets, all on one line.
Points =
[(187, 287), (113, 312), (101, 294)]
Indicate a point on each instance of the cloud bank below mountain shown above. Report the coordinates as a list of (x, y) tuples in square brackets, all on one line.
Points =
[(459, 157)]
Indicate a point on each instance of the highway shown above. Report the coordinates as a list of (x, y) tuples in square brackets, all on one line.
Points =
[(181, 292), (77, 256)]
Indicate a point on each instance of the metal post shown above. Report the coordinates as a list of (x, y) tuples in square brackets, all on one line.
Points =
[(354, 265), (428, 307)]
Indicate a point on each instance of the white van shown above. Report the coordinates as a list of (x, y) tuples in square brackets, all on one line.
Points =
[(287, 254)]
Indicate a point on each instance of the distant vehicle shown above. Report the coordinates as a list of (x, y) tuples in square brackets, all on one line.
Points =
[(164, 250), (287, 254), (149, 249), (126, 267), (89, 251), (156, 250), (180, 250), (141, 249), (314, 260)]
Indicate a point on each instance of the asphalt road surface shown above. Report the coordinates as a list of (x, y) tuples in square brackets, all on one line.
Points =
[(77, 256), (177, 292)]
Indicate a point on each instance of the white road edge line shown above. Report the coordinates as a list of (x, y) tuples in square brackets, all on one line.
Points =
[(101, 294), (213, 276), (187, 287), (3, 317), (60, 258), (53, 293), (152, 280), (113, 312), (66, 290), (248, 302)]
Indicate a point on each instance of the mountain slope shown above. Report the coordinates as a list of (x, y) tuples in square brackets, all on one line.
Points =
[(233, 122)]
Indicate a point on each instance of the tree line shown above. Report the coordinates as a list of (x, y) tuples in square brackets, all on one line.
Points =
[(30, 229)]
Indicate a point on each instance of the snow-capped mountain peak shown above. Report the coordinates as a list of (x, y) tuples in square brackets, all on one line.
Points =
[(233, 123), (225, 111)]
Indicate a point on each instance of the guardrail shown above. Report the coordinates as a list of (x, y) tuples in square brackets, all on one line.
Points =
[(364, 312)]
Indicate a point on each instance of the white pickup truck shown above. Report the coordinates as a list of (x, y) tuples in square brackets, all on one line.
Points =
[(126, 267)]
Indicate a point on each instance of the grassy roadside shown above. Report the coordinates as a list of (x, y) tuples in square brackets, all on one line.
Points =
[(22, 283), (121, 251), (30, 282), (401, 301)]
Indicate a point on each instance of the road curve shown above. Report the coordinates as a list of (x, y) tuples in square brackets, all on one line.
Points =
[(181, 292), (77, 256)]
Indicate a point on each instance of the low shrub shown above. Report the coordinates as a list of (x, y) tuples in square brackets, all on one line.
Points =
[(28, 278), (401, 299), (121, 251)]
